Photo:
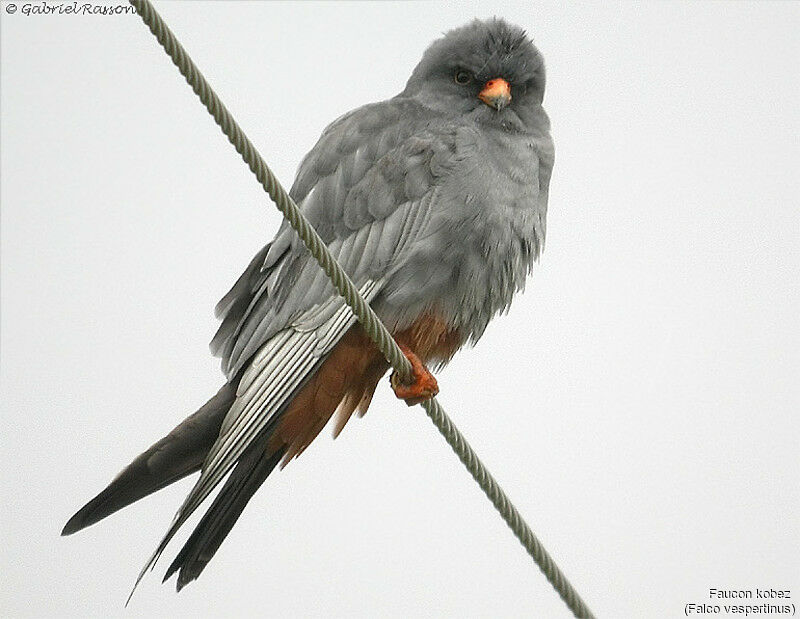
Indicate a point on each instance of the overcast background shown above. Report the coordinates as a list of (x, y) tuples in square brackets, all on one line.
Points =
[(639, 403)]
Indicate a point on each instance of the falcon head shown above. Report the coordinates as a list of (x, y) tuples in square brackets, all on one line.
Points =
[(487, 69)]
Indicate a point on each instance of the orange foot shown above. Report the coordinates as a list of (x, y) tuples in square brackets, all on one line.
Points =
[(421, 388)]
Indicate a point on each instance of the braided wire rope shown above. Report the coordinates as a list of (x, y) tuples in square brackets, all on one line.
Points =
[(370, 321)]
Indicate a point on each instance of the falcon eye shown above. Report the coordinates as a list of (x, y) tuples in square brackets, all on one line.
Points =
[(463, 77)]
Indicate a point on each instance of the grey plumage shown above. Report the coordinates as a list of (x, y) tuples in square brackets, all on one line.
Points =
[(430, 201)]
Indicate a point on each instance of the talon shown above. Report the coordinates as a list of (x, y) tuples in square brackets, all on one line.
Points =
[(423, 385)]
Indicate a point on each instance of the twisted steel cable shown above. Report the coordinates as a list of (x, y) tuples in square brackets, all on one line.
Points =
[(371, 323)]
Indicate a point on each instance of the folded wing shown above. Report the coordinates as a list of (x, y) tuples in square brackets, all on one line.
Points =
[(369, 187)]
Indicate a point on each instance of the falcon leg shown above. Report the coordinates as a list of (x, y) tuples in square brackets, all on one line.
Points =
[(422, 387)]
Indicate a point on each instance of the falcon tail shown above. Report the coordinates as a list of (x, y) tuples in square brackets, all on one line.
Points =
[(344, 381), (175, 456)]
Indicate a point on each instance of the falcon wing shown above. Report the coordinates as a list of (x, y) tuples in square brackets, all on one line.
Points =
[(368, 187)]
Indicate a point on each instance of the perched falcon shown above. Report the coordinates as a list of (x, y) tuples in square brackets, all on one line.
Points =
[(434, 202)]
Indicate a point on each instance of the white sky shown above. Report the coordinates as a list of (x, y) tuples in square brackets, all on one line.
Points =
[(639, 403)]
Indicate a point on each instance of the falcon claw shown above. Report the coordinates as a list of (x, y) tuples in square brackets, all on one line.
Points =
[(422, 387)]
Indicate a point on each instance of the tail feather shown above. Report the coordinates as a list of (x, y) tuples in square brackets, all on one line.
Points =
[(251, 470), (175, 456)]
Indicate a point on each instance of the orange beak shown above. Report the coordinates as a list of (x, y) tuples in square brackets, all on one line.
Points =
[(496, 93)]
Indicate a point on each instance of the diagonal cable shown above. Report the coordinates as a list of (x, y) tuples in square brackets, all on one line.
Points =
[(371, 323)]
